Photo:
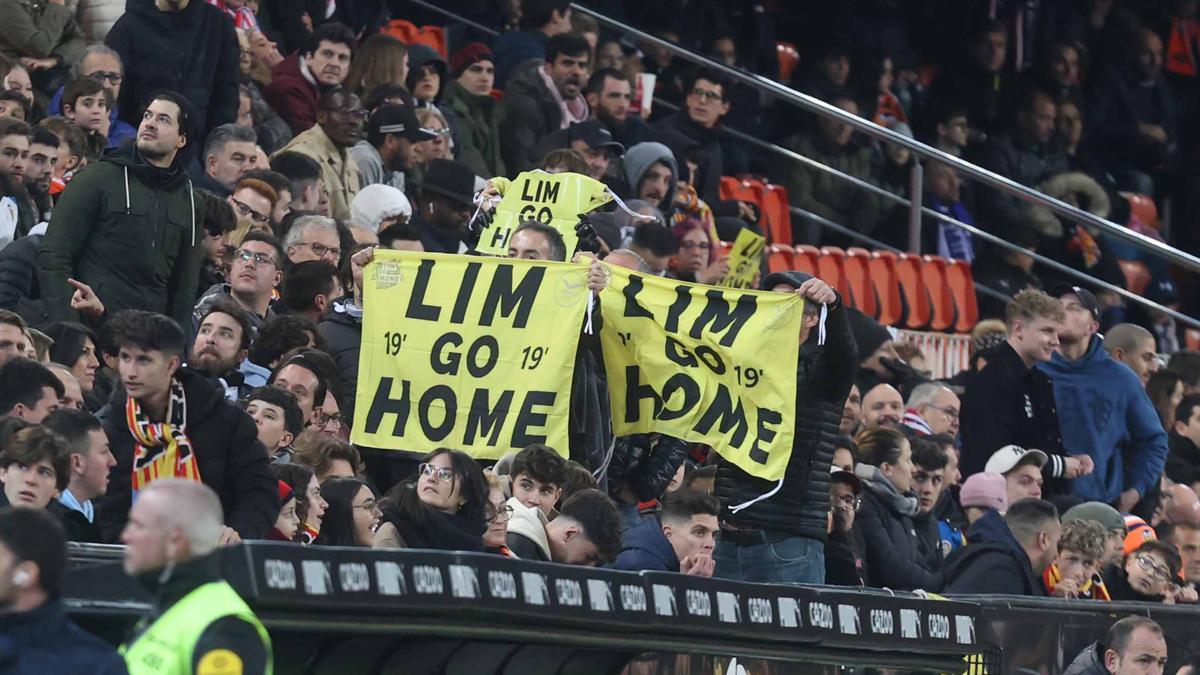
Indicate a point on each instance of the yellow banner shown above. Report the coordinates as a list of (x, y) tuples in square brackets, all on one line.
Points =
[(556, 200), (705, 364), (745, 260), (466, 352)]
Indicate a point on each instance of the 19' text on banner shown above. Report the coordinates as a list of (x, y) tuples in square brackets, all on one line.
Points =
[(708, 365), (469, 353)]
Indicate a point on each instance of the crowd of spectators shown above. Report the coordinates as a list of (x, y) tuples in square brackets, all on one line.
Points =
[(187, 203)]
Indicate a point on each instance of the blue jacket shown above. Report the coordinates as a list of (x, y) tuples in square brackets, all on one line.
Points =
[(1104, 412), (645, 547), (44, 641), (118, 131)]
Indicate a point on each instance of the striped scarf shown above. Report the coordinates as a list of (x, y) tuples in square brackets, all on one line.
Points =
[(161, 449), (1091, 590)]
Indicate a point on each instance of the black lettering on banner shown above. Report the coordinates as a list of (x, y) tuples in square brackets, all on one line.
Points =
[(683, 299), (473, 366), (677, 352), (383, 404), (717, 316), (528, 418), (545, 191), (445, 395), (722, 410), (764, 435), (484, 420), (635, 391), (542, 215), (691, 396), (465, 288), (633, 308), (417, 309), (449, 364), (509, 300), (500, 235)]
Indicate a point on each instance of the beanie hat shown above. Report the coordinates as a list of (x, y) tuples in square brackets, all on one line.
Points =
[(986, 490), (285, 493), (468, 56), (868, 333), (375, 204), (1099, 512), (1139, 532)]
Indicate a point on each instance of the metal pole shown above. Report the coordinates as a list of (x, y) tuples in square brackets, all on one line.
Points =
[(916, 185)]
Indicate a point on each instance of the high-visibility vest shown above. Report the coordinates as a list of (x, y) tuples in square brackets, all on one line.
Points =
[(167, 646)]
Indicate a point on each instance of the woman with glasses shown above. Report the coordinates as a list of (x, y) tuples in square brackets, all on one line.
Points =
[(1149, 574), (444, 508), (885, 518), (495, 539), (697, 257), (353, 514)]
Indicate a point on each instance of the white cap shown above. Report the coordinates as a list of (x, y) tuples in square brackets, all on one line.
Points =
[(1004, 459)]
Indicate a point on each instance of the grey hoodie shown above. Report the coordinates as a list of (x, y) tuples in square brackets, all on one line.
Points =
[(639, 158)]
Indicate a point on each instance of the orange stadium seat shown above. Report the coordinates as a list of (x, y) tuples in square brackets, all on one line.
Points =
[(789, 59), (1191, 340), (912, 288), (1137, 276), (805, 259), (887, 287), (933, 273), (829, 270), (739, 189), (1143, 208), (780, 258), (857, 272), (962, 287), (409, 33), (777, 214), (723, 249)]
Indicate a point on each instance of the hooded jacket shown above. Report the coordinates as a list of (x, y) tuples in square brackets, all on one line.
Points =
[(338, 168), (824, 374), (645, 547), (527, 532), (293, 93), (129, 230), (478, 134), (1104, 412), (529, 113), (992, 562), (885, 520), (638, 159), (193, 51), (231, 460), (44, 640), (424, 55)]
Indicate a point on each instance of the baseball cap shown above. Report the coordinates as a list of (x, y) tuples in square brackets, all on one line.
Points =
[(985, 490), (837, 473), (1163, 292), (595, 135), (1086, 298), (1005, 459), (400, 120), (1099, 512)]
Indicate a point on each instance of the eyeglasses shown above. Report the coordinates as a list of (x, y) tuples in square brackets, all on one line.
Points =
[(502, 514), (323, 421), (321, 250), (849, 501), (250, 213), (369, 505), (1147, 564), (444, 473), (701, 245), (706, 95), (102, 75), (258, 258)]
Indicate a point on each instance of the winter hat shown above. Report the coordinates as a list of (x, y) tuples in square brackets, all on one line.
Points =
[(469, 56), (420, 55), (868, 333), (985, 490), (1099, 512), (375, 204), (1140, 532), (285, 493)]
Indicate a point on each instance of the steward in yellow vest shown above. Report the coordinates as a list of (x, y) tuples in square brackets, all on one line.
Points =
[(199, 625)]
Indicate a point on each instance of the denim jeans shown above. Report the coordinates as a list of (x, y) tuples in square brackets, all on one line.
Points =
[(795, 560)]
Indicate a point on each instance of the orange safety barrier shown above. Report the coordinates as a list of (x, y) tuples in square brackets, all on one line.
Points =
[(409, 33), (1137, 276), (780, 259), (789, 59), (933, 273), (857, 272), (962, 288), (829, 270), (887, 287), (912, 288)]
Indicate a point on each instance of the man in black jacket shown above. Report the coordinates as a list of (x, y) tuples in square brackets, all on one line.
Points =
[(1183, 463), (536, 98), (781, 538), (1006, 555), (170, 422), (1010, 402), (91, 462), (187, 46)]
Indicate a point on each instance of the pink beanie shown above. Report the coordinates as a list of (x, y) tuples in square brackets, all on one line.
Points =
[(985, 490)]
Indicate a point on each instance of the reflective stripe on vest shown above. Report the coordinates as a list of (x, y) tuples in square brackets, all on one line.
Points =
[(168, 645)]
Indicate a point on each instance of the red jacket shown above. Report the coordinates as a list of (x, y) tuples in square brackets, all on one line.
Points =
[(293, 95)]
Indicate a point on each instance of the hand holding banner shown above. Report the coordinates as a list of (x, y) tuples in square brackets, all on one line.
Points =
[(467, 352), (708, 365), (556, 200)]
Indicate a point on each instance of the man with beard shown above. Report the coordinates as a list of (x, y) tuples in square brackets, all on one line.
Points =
[(43, 155), (339, 126), (222, 343), (541, 100), (146, 255), (390, 149), (444, 204), (609, 93), (299, 80), (14, 161)]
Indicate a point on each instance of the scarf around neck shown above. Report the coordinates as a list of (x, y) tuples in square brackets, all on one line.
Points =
[(161, 449), (874, 480)]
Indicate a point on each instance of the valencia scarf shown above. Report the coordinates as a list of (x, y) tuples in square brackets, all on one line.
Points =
[(1091, 590), (161, 449)]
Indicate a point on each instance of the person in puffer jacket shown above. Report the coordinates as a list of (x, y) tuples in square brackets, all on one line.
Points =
[(781, 538), (640, 470)]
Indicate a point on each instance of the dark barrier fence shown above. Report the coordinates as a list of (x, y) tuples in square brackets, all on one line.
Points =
[(344, 610)]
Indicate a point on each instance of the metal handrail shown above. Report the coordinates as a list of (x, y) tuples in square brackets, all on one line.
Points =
[(824, 109)]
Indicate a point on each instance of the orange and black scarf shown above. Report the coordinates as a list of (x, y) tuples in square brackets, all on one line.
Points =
[(1092, 590), (161, 449)]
